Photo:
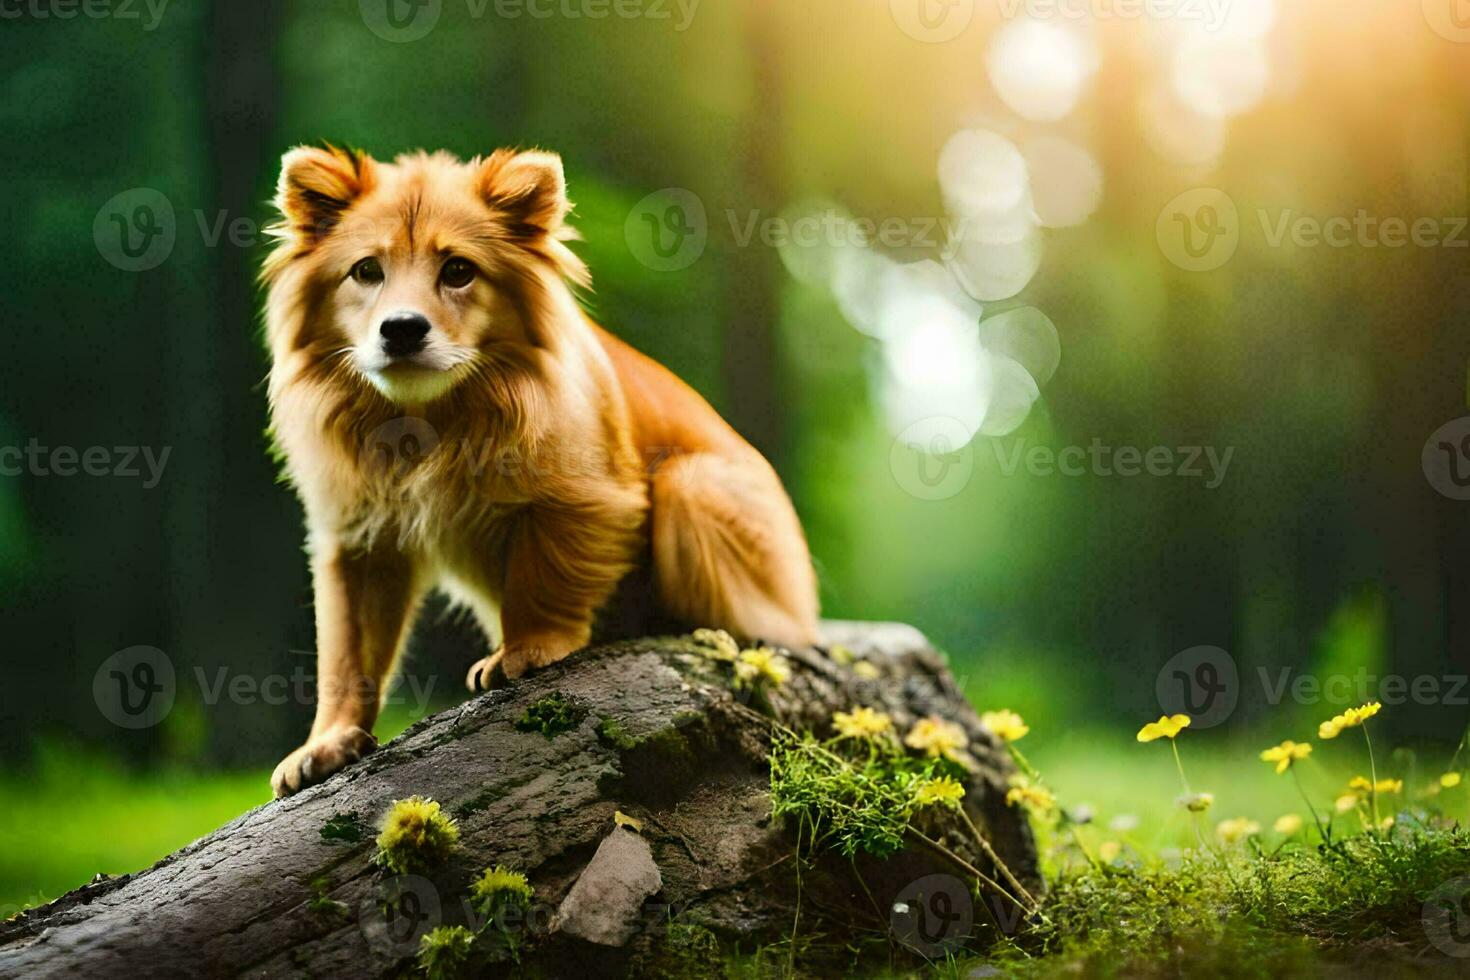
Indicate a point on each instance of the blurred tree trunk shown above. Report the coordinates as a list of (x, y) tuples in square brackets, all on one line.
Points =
[(750, 365), (227, 532)]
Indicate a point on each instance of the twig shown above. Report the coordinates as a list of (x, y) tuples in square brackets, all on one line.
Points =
[(995, 858), (961, 863)]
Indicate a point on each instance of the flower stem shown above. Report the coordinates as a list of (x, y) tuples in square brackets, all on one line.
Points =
[(1372, 774), (1180, 766), (1184, 781), (1077, 838), (796, 917), (1020, 759), (1321, 828)]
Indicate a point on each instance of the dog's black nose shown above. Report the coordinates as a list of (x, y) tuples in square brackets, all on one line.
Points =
[(404, 333)]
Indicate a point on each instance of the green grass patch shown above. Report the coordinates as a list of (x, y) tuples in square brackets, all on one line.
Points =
[(1294, 910), (74, 814), (71, 813)]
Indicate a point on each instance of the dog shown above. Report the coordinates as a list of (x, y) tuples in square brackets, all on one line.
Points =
[(452, 419)]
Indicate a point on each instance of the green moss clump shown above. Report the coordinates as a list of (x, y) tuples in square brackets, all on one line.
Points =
[(612, 733), (321, 904), (343, 828), (688, 950), (716, 644), (551, 716), (445, 952), (416, 836)]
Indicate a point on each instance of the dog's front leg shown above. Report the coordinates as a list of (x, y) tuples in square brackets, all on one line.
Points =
[(364, 600), (564, 564)]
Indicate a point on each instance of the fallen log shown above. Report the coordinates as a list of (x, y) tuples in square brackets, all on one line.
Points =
[(533, 776)]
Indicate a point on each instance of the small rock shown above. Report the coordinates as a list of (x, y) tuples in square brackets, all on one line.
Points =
[(603, 905)]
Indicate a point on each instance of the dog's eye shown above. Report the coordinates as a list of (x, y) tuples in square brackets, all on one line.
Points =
[(457, 273), (368, 271)]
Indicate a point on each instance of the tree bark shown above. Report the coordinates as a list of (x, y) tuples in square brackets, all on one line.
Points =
[(651, 728)]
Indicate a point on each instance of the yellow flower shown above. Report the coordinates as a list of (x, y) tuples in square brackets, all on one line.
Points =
[(867, 671), (1450, 780), (937, 737), (1286, 753), (1166, 727), (1351, 718), (944, 791), (1037, 798), (415, 837), (1109, 850), (498, 888), (1287, 824), (1236, 829), (1006, 724), (1361, 786), (761, 665), (861, 723), (716, 644), (1346, 802)]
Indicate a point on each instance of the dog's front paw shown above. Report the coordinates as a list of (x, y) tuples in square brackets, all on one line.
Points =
[(513, 660), (321, 756), (486, 673)]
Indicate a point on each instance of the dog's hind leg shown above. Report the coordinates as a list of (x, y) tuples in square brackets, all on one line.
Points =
[(728, 549)]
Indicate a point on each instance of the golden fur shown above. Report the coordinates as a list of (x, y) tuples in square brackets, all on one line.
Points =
[(551, 460)]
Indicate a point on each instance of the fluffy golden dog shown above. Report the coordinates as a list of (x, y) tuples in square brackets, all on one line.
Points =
[(431, 300)]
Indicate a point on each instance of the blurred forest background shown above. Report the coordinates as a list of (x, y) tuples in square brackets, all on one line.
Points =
[(1323, 369)]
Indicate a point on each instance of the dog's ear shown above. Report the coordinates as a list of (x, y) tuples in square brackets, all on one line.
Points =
[(528, 188), (318, 184)]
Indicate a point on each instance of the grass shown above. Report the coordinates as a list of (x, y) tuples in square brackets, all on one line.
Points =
[(1277, 911), (1113, 775), (73, 813), (1271, 904)]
